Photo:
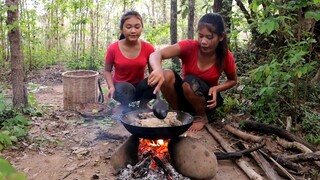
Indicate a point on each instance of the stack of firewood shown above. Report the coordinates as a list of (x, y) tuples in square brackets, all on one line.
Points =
[(262, 150)]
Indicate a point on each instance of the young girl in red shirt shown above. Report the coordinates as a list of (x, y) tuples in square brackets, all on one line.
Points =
[(125, 64), (203, 61)]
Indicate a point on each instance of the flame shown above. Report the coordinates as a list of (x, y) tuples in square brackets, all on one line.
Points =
[(159, 146)]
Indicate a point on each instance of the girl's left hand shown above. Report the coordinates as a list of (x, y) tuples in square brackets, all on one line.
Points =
[(212, 103)]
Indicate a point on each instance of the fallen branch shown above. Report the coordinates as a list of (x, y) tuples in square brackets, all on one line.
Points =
[(286, 163), (266, 128), (279, 166), (293, 145), (237, 155), (314, 156), (240, 162), (242, 135), (264, 164), (296, 145)]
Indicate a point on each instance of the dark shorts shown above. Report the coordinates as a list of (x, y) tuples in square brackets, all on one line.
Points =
[(199, 87), (126, 93)]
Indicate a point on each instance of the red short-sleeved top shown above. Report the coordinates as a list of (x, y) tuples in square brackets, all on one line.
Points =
[(189, 58), (125, 69)]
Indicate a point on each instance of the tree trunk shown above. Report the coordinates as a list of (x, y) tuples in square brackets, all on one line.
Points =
[(17, 74), (224, 8), (191, 20), (173, 28), (164, 11)]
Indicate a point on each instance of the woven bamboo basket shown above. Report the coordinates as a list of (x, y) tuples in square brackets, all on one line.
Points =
[(79, 86)]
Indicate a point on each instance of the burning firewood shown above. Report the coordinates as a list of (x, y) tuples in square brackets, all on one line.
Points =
[(163, 167), (142, 168)]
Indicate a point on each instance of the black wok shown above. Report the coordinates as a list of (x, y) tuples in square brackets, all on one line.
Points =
[(129, 118)]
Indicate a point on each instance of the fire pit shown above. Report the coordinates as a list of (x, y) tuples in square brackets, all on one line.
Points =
[(178, 158)]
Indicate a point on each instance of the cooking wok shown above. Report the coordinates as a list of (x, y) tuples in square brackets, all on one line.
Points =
[(129, 118)]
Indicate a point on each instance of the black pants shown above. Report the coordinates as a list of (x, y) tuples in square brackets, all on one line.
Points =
[(126, 93), (199, 87)]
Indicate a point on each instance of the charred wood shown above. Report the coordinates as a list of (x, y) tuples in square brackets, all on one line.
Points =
[(142, 168), (163, 167), (314, 156), (296, 145), (282, 169), (294, 167), (272, 129)]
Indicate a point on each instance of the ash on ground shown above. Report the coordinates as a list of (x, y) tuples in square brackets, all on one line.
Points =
[(152, 174)]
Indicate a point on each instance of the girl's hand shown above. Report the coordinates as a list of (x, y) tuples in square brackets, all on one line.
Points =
[(156, 78), (212, 103), (109, 94)]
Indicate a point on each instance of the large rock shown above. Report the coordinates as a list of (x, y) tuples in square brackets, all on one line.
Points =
[(190, 158), (125, 154)]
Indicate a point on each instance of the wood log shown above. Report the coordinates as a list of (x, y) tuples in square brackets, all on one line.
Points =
[(284, 162), (240, 162), (272, 129), (296, 145), (142, 168), (314, 156), (242, 135), (279, 166), (264, 164), (160, 164), (293, 145)]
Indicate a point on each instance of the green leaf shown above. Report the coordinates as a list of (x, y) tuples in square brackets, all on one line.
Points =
[(262, 90), (268, 80), (6, 168), (267, 71), (268, 26), (312, 14), (13, 138)]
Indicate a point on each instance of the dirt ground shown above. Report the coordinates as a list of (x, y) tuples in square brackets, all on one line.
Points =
[(62, 145)]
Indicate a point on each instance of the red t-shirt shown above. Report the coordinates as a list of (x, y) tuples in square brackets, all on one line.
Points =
[(189, 58), (125, 69)]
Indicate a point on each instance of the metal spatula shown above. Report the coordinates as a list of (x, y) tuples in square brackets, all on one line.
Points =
[(160, 107)]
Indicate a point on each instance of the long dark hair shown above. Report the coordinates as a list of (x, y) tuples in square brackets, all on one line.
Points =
[(215, 24), (126, 16)]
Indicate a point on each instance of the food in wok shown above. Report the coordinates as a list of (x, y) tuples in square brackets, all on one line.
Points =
[(148, 119)]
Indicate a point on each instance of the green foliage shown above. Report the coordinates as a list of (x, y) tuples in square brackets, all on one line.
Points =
[(311, 126), (7, 172), (157, 34), (230, 104), (12, 125), (85, 62), (269, 25)]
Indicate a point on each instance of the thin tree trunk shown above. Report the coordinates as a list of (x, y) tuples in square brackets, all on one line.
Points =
[(173, 28), (17, 74), (191, 20), (3, 42), (164, 11)]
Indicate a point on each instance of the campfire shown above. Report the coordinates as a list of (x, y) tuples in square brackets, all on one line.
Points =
[(178, 158), (153, 162)]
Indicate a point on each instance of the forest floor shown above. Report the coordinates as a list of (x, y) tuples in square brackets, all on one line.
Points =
[(63, 145)]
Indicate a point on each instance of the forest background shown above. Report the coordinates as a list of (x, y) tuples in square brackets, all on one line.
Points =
[(275, 44)]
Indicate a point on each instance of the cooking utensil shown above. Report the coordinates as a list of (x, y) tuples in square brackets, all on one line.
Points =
[(160, 107), (129, 118)]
